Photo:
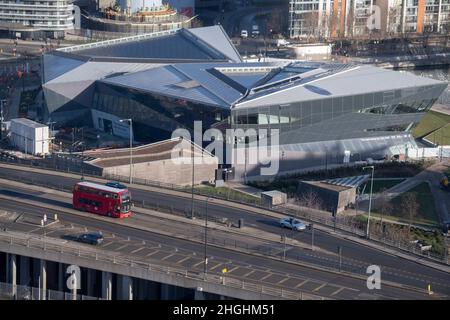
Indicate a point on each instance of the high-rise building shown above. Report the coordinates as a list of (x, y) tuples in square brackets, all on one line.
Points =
[(339, 18), (36, 18)]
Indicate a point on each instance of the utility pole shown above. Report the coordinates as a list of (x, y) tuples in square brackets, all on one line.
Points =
[(205, 266), (312, 236), (130, 121), (370, 200), (340, 258), (193, 176), (1, 117)]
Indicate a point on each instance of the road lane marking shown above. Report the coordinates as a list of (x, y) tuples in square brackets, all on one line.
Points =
[(184, 259), (337, 291), (232, 269), (166, 257), (121, 247), (198, 263), (107, 244), (319, 287), (137, 250), (284, 280), (216, 266), (151, 253), (300, 284), (248, 273), (265, 277)]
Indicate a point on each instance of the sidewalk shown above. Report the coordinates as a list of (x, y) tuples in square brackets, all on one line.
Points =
[(430, 175), (252, 191)]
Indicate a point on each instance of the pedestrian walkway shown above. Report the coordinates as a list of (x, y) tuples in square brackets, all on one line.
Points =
[(244, 188), (431, 175)]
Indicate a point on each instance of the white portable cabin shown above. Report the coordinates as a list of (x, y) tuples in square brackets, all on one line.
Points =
[(29, 136)]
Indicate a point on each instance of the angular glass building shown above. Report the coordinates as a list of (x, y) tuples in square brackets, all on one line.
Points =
[(324, 112)]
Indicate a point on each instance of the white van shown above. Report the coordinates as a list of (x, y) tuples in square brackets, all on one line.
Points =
[(244, 34)]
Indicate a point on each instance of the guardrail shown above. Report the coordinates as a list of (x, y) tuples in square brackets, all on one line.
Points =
[(118, 40), (49, 244), (337, 223), (9, 291)]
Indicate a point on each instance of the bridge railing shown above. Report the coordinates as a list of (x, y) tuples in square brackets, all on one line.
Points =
[(9, 291), (81, 251)]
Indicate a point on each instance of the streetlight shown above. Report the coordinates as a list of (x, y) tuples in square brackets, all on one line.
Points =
[(82, 160), (131, 146), (370, 199), (193, 177), (205, 269), (2, 101)]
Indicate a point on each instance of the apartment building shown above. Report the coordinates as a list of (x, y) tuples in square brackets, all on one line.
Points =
[(36, 18), (344, 18)]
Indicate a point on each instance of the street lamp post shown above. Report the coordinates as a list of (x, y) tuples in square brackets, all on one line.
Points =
[(193, 177), (370, 200), (82, 160), (205, 265), (2, 101), (131, 147)]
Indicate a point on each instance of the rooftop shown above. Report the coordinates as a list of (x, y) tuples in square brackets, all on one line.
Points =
[(99, 186), (28, 123), (208, 43), (162, 150)]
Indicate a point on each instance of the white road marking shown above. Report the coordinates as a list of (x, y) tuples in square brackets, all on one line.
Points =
[(319, 287)]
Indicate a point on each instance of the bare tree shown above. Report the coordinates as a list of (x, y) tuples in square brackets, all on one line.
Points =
[(311, 23), (384, 205), (410, 207), (310, 199)]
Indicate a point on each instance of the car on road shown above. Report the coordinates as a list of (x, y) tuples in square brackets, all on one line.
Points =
[(292, 223), (115, 184), (94, 238), (282, 42), (244, 33), (255, 33)]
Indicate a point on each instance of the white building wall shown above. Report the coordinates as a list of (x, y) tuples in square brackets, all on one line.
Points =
[(119, 129), (30, 139)]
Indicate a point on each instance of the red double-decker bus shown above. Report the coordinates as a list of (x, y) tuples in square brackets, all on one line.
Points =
[(102, 199)]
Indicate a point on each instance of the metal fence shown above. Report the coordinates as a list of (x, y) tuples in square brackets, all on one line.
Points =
[(46, 244), (9, 291), (345, 224)]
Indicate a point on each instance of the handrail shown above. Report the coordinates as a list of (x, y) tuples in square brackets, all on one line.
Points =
[(50, 244)]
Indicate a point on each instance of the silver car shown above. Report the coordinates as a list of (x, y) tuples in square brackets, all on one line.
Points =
[(292, 223)]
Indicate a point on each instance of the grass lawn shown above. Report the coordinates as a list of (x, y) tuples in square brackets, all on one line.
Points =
[(440, 136), (427, 212), (430, 122), (379, 185)]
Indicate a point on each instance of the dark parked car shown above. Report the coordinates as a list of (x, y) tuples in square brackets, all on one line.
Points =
[(114, 184), (90, 238)]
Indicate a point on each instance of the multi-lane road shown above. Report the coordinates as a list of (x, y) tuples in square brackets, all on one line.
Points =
[(124, 238), (356, 257)]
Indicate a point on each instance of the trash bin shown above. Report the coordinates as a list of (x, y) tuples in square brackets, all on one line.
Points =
[(241, 223)]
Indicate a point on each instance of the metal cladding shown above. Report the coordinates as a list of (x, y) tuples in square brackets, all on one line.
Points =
[(167, 80)]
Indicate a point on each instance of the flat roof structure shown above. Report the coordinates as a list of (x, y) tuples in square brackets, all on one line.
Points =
[(162, 150), (29, 123)]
